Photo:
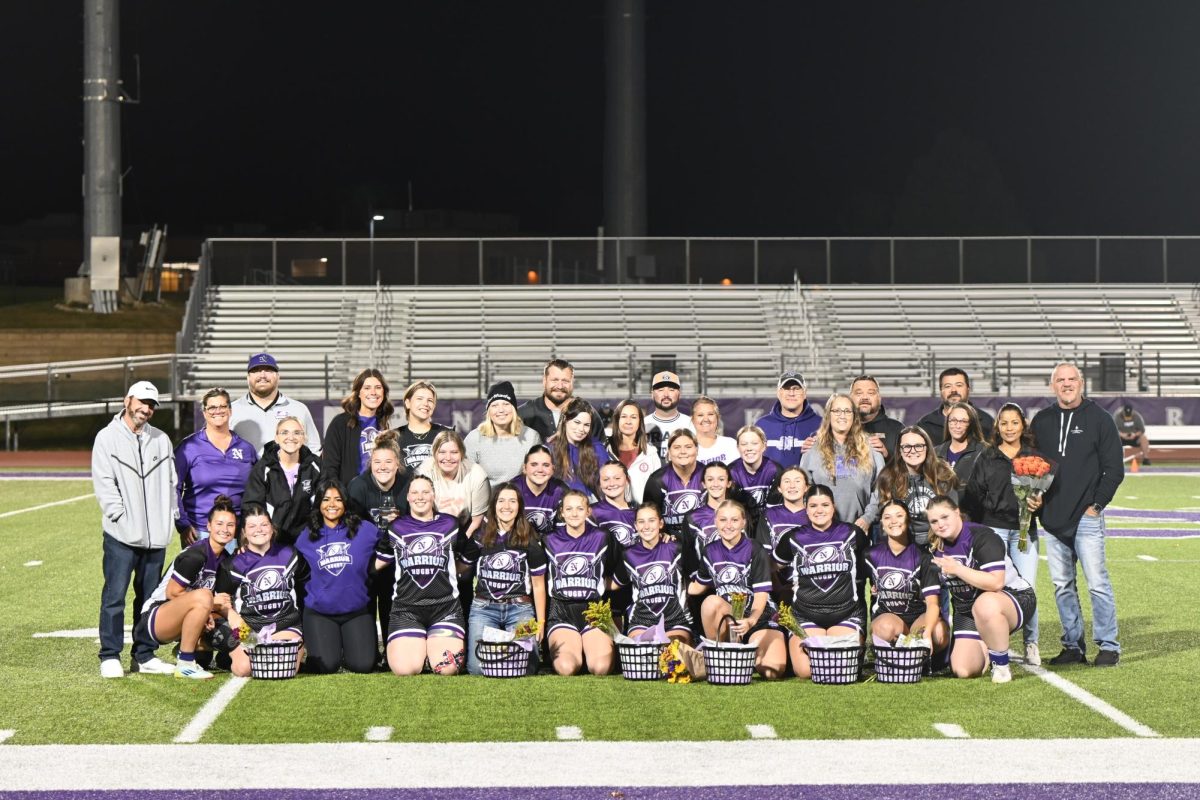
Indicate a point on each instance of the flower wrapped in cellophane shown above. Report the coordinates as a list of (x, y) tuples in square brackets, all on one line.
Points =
[(1032, 475)]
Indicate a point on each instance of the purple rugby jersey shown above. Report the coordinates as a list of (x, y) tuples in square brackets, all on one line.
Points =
[(757, 485), (424, 554), (264, 585), (743, 569), (778, 520), (575, 566), (675, 497), (617, 522), (902, 581), (978, 547), (822, 566), (654, 574), (504, 571), (540, 509), (195, 567)]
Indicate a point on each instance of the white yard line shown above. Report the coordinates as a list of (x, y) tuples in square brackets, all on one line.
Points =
[(33, 563), (1148, 558), (1091, 701), (381, 733), (568, 733), (762, 732), (6, 734), (960, 762), (47, 505), (209, 712), (950, 730)]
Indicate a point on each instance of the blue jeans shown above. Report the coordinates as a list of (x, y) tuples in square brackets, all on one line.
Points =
[(1027, 564), (1086, 549), (121, 563), (492, 615)]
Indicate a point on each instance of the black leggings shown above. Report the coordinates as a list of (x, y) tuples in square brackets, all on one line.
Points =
[(332, 639)]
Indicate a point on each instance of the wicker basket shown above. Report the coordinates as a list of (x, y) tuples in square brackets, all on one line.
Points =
[(729, 663), (640, 660), (835, 665), (275, 660), (900, 664), (504, 660)]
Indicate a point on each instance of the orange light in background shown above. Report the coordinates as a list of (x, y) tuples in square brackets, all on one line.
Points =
[(531, 276), (726, 281)]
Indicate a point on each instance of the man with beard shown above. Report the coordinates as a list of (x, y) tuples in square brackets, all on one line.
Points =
[(792, 423), (955, 387), (883, 432), (558, 387), (666, 418), (255, 415)]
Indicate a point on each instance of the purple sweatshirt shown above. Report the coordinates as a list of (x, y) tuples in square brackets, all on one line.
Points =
[(339, 565), (205, 472)]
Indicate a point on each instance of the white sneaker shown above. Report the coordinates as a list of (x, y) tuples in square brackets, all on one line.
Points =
[(1032, 657), (153, 666), (1001, 673), (111, 668), (190, 669)]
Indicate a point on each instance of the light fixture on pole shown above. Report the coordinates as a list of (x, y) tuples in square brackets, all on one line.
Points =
[(374, 218)]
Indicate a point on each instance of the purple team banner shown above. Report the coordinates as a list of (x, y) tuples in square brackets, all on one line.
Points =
[(464, 415)]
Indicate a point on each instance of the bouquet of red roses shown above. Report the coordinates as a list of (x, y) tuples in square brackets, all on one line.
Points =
[(1032, 475)]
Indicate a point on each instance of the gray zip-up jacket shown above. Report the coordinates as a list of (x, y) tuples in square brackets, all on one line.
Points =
[(134, 479)]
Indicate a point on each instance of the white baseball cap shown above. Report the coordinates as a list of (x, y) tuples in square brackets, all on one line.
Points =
[(144, 391)]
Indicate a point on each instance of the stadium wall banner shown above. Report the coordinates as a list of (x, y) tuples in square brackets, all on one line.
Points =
[(465, 415)]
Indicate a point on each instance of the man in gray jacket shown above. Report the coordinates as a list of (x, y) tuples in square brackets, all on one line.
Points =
[(134, 477)]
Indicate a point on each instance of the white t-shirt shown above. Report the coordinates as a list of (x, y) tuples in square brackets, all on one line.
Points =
[(724, 449), (667, 427)]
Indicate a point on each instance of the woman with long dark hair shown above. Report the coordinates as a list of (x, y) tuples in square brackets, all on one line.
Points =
[(913, 476), (629, 445), (339, 546), (577, 455), (964, 441), (350, 437)]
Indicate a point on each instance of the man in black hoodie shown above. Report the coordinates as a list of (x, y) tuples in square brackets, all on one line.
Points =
[(1083, 438), (954, 386)]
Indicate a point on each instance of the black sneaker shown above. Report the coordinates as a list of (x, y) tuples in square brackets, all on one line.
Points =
[(1069, 655), (1107, 658), (1145, 462)]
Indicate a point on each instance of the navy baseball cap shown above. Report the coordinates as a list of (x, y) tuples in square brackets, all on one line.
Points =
[(262, 360)]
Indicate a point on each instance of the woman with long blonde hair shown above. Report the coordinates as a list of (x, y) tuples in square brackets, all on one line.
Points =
[(842, 459)]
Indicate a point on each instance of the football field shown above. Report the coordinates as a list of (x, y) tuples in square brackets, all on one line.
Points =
[(63, 728)]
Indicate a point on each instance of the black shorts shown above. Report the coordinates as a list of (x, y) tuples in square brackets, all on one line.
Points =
[(1024, 599), (852, 617), (908, 619), (674, 617), (567, 614), (437, 619)]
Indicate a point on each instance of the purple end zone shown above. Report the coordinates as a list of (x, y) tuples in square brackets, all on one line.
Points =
[(1150, 533), (1026, 791)]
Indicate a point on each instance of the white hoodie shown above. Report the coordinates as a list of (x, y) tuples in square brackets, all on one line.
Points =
[(134, 479)]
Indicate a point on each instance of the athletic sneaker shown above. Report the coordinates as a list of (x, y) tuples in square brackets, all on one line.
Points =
[(111, 668), (190, 669), (153, 666), (1032, 656), (1069, 655), (1145, 462), (1107, 658), (1001, 673)]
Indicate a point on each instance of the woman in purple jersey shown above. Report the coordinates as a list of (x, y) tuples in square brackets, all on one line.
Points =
[(427, 622), (577, 455), (734, 564), (905, 585), (214, 461), (778, 520), (350, 437), (756, 474), (651, 567), (540, 491), (989, 597), (576, 554), (823, 560), (702, 520), (339, 619), (185, 605), (261, 579), (511, 585), (677, 488), (612, 511), (629, 445)]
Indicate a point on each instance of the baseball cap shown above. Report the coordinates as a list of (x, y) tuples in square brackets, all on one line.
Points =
[(262, 360), (665, 378), (791, 377), (144, 391)]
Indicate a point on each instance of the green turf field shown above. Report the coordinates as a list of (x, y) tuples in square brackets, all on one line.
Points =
[(53, 692)]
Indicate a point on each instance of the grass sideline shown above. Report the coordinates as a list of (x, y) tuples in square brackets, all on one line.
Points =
[(53, 692)]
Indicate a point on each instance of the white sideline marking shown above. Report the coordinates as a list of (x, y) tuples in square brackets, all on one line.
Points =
[(79, 633), (47, 505), (568, 733), (1091, 701), (762, 732), (1131, 497), (33, 563), (1044, 558), (209, 712), (960, 762), (1148, 558), (6, 734), (950, 730), (381, 733)]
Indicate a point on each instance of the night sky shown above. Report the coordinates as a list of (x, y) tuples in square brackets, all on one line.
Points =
[(779, 118)]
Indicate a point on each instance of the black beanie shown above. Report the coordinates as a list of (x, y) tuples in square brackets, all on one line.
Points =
[(501, 391)]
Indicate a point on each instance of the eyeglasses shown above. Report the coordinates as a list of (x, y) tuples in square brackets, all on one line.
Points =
[(911, 448), (214, 409), (958, 421), (840, 412)]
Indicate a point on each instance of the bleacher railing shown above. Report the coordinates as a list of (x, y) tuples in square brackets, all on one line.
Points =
[(667, 260)]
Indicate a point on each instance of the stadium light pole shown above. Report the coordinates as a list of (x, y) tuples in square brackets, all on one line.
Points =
[(374, 218)]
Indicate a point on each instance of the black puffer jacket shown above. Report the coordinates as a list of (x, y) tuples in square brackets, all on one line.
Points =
[(289, 507)]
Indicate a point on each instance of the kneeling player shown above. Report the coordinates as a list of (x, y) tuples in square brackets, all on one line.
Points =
[(651, 565), (906, 583), (575, 560)]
